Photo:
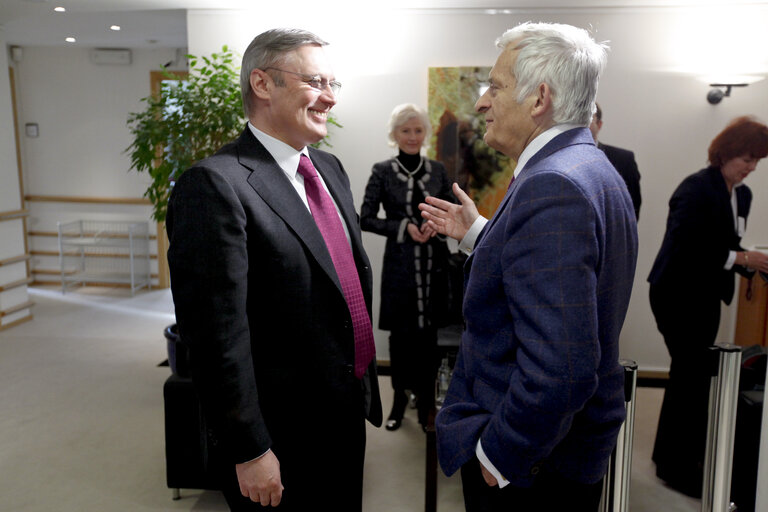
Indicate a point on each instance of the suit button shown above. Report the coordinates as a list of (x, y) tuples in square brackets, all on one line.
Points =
[(535, 470), (348, 369)]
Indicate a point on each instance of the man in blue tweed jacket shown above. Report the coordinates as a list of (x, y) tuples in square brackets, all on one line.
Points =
[(536, 400)]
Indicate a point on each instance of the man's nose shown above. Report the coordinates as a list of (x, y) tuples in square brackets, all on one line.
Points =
[(328, 96)]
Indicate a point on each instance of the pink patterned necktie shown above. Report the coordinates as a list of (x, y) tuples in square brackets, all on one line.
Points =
[(329, 223)]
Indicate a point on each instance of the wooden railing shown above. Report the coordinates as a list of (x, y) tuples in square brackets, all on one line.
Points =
[(162, 276), (16, 284), (89, 200), (13, 215), (15, 259)]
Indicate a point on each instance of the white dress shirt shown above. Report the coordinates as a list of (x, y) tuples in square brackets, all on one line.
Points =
[(288, 160)]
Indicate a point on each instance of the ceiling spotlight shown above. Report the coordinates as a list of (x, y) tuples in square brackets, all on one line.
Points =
[(70, 39), (60, 9), (115, 28), (716, 95)]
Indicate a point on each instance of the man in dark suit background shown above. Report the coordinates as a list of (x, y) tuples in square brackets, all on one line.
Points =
[(536, 399), (622, 159), (276, 313)]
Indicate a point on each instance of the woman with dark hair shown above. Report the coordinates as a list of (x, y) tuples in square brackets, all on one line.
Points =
[(414, 277), (694, 271)]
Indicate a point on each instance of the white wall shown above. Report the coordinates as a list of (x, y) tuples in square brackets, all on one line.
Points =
[(81, 109), (651, 99)]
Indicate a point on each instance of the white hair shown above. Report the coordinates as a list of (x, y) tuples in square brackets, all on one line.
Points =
[(403, 113), (564, 57)]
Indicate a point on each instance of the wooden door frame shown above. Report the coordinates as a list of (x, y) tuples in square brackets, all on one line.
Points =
[(163, 274)]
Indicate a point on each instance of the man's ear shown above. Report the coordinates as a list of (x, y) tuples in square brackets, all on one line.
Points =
[(261, 84), (543, 104)]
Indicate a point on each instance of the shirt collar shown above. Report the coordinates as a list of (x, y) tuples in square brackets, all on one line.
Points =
[(285, 156), (539, 142)]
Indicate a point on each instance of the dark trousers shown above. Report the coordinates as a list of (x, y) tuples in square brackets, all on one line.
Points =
[(413, 359), (689, 323), (550, 492), (321, 449)]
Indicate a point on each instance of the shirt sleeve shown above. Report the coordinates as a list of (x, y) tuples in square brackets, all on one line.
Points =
[(486, 462), (467, 243)]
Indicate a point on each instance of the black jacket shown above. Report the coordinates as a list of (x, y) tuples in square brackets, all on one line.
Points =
[(700, 233)]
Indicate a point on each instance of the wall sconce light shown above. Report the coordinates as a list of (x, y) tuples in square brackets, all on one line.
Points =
[(716, 95)]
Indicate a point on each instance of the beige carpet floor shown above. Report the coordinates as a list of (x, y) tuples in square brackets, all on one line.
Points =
[(81, 419)]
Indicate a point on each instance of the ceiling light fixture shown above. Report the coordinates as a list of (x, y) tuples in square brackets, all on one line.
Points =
[(116, 28), (60, 9), (70, 40)]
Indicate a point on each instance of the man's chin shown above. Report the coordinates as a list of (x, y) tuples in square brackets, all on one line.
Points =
[(491, 142), (320, 135)]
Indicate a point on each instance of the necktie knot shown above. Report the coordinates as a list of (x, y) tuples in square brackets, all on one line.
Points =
[(306, 168)]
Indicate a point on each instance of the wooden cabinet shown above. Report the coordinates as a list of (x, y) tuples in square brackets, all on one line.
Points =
[(752, 312)]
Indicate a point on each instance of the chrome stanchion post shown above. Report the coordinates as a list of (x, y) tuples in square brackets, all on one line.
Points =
[(627, 433), (616, 483), (721, 426)]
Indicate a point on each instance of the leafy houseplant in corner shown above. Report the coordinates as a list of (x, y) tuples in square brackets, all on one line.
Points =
[(186, 121)]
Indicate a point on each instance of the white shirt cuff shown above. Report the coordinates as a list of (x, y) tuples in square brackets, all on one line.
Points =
[(503, 482), (467, 244), (730, 261)]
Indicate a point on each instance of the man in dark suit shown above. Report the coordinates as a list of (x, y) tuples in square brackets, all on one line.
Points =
[(622, 159), (536, 399), (272, 290)]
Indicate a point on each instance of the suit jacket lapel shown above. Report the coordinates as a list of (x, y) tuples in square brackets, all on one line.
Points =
[(722, 197), (564, 139), (270, 183)]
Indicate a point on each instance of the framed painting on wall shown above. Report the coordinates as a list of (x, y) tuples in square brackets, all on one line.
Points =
[(457, 136)]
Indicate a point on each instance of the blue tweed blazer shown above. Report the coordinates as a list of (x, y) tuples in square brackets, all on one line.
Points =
[(547, 287)]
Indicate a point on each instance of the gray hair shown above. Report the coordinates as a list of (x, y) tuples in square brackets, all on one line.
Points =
[(269, 49), (403, 113), (564, 57)]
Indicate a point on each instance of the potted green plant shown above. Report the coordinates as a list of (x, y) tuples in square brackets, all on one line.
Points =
[(187, 120)]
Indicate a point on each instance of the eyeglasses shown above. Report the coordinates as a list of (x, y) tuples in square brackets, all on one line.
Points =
[(314, 81)]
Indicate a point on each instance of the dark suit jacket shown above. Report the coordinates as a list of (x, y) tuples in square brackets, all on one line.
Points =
[(258, 300), (700, 233), (624, 162), (537, 378)]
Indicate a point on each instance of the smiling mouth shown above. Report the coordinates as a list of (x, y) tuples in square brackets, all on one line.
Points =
[(323, 114)]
